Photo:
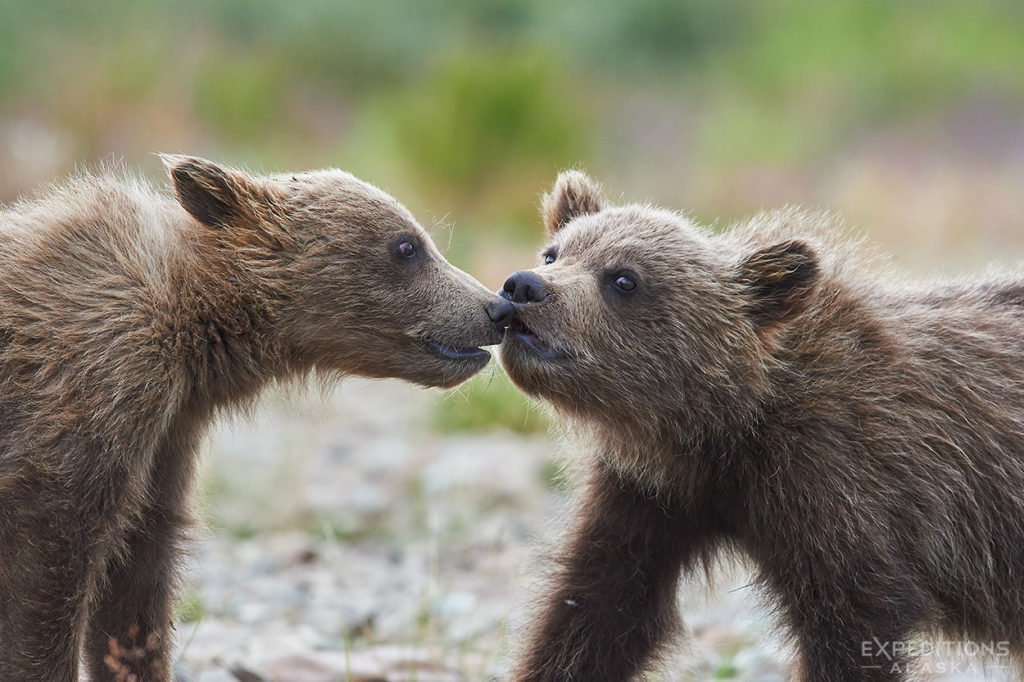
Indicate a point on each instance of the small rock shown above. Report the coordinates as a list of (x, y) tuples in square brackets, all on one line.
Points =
[(244, 674)]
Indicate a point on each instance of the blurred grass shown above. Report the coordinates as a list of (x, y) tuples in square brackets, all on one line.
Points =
[(488, 401), (238, 97), (481, 117), (192, 609), (472, 88)]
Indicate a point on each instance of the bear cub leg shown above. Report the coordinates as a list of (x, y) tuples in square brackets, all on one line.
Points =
[(613, 601), (130, 627), (48, 584)]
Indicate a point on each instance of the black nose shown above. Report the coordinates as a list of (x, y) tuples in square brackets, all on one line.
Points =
[(500, 311), (524, 286)]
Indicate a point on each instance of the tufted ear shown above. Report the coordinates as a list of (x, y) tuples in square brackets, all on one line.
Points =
[(216, 196), (574, 194), (780, 279)]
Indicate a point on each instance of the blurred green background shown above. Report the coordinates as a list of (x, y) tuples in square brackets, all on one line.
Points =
[(905, 117)]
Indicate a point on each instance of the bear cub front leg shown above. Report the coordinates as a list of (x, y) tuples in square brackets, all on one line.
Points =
[(613, 600)]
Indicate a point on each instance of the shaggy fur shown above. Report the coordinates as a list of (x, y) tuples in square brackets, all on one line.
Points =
[(767, 391), (127, 322)]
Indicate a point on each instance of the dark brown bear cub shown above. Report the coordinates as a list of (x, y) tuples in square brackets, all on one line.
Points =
[(764, 392), (127, 321)]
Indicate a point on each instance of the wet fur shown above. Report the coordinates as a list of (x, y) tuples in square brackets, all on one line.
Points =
[(775, 393), (126, 324)]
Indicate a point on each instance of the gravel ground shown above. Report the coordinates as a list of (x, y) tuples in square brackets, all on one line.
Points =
[(346, 541)]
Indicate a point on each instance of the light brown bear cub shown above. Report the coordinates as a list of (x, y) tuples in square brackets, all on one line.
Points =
[(765, 392), (127, 321)]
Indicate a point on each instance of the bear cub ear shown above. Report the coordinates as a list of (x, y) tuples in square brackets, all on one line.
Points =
[(574, 194), (215, 196), (780, 279)]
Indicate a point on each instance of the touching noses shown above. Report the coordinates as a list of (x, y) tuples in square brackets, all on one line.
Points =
[(524, 286), (500, 311), (521, 287)]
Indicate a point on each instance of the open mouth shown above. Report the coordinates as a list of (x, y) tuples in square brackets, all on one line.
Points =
[(531, 340), (458, 353)]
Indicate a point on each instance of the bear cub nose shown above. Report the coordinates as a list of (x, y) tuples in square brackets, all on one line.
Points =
[(524, 286), (500, 311)]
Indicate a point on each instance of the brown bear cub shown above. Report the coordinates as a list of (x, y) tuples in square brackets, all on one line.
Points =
[(127, 321), (761, 392)]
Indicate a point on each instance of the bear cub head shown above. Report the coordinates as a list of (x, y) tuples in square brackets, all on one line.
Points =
[(638, 316), (352, 283)]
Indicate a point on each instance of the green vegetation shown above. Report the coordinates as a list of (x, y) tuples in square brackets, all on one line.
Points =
[(487, 401), (726, 670), (242, 531), (326, 528), (238, 97), (192, 609), (471, 90), (489, 114)]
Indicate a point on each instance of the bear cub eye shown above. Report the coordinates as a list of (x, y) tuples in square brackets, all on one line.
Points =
[(624, 282), (406, 249), (549, 257)]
